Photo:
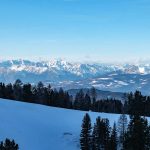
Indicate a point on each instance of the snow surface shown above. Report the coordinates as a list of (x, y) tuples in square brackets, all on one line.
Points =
[(37, 127)]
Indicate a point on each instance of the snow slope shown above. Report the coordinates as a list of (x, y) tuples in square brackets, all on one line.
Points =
[(37, 127)]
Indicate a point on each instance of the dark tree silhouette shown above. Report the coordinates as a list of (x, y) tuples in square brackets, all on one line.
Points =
[(85, 136), (9, 145)]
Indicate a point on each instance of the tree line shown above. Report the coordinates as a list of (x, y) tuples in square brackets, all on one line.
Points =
[(46, 95), (134, 135), (39, 94), (135, 103)]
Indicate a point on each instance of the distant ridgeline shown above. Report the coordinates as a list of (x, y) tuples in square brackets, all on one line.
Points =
[(135, 103)]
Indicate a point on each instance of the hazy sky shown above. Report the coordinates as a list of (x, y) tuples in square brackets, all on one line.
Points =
[(106, 30)]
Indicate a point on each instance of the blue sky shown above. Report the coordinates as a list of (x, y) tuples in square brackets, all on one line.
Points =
[(104, 30)]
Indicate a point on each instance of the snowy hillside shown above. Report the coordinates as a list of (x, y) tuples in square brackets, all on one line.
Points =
[(36, 127), (70, 75)]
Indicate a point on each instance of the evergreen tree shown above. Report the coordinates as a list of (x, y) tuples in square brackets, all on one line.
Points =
[(137, 136), (93, 94), (79, 100), (87, 103), (113, 138), (61, 99), (67, 101), (101, 134), (106, 133), (136, 103), (48, 95), (2, 91), (93, 141), (27, 95), (52, 98), (40, 92), (122, 128), (147, 136), (35, 94), (9, 145), (85, 136), (17, 87), (55, 98), (9, 91), (96, 135)]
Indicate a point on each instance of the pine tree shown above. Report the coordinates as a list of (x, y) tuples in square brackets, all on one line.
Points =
[(106, 133), (137, 136), (122, 128), (85, 136), (147, 137), (17, 87), (136, 103), (93, 94), (40, 92), (27, 93), (9, 91), (46, 96), (79, 100), (87, 102), (61, 98), (35, 94), (101, 134), (9, 145), (93, 141), (96, 135), (113, 138)]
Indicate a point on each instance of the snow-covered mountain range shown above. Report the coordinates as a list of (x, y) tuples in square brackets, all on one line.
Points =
[(60, 73)]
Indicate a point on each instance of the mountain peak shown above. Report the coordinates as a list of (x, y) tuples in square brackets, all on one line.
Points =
[(61, 73)]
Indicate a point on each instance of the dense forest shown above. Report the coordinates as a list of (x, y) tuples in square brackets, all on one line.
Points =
[(134, 135), (135, 104)]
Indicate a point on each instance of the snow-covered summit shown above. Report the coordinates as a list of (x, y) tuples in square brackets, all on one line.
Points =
[(58, 72), (57, 66), (72, 67)]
